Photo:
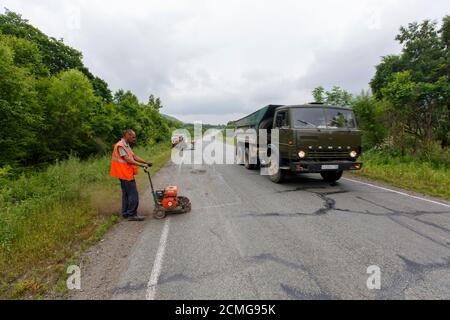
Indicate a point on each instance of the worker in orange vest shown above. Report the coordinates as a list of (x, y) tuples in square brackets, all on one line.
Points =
[(124, 165)]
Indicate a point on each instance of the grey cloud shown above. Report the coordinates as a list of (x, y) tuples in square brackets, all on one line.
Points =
[(221, 105), (351, 67), (216, 61)]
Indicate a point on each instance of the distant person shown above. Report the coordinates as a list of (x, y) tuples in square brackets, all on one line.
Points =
[(124, 165)]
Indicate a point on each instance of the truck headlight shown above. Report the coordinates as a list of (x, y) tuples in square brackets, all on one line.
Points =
[(302, 154), (353, 154)]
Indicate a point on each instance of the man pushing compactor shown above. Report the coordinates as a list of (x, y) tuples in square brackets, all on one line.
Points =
[(124, 165)]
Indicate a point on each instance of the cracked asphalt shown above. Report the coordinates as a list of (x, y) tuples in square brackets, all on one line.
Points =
[(248, 238)]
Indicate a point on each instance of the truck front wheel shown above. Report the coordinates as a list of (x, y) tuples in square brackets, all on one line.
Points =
[(276, 175), (331, 176)]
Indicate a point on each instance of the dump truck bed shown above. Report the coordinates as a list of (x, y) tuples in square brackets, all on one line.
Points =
[(254, 120)]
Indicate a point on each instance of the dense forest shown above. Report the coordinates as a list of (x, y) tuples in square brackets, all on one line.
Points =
[(52, 106), (407, 110)]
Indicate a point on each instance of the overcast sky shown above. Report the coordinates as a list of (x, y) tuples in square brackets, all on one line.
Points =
[(216, 61)]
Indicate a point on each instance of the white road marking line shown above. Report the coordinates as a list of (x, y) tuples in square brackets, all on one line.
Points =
[(157, 265), (398, 192)]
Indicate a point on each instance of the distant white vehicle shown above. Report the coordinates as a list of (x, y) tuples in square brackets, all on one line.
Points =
[(181, 141), (175, 140)]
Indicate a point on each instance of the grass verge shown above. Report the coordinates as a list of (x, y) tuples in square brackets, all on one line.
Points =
[(408, 173), (50, 217)]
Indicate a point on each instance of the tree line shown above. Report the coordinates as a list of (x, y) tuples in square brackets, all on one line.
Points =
[(407, 110), (52, 106)]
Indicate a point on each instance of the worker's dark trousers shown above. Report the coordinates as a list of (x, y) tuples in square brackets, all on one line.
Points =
[(130, 198)]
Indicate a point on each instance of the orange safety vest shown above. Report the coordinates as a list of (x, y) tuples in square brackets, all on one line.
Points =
[(120, 168)]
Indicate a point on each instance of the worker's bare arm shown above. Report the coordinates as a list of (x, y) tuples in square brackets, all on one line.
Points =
[(140, 160), (134, 162)]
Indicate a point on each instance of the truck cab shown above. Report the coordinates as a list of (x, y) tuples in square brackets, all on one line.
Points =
[(313, 138), (317, 138)]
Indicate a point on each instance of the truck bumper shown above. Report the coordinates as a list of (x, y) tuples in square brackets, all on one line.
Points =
[(317, 167)]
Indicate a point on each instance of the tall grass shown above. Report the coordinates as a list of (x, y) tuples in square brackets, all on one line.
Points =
[(426, 175), (46, 216)]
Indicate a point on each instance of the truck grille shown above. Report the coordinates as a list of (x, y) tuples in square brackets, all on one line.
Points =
[(328, 155)]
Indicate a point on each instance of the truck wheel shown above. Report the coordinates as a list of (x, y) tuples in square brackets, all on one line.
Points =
[(331, 176), (247, 164), (276, 175)]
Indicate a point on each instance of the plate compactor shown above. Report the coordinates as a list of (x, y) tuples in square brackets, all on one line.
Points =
[(167, 201)]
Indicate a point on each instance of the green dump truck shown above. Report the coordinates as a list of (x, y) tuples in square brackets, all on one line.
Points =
[(313, 138)]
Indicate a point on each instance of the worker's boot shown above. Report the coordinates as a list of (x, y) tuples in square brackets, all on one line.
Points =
[(136, 218)]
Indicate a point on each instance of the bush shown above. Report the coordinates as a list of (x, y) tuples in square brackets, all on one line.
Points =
[(369, 114)]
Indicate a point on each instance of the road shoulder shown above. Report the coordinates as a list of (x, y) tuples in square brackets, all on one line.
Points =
[(103, 264), (381, 184)]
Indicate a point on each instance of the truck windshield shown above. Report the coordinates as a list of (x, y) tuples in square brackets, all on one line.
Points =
[(322, 118), (309, 118), (338, 118)]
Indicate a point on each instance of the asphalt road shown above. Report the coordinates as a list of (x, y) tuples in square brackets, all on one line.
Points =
[(248, 238)]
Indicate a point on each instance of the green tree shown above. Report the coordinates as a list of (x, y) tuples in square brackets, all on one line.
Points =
[(416, 83), (336, 96), (389, 66), (56, 55), (69, 106), (339, 97), (444, 123), (446, 32), (20, 115), (371, 118), (154, 102), (26, 55), (319, 94)]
